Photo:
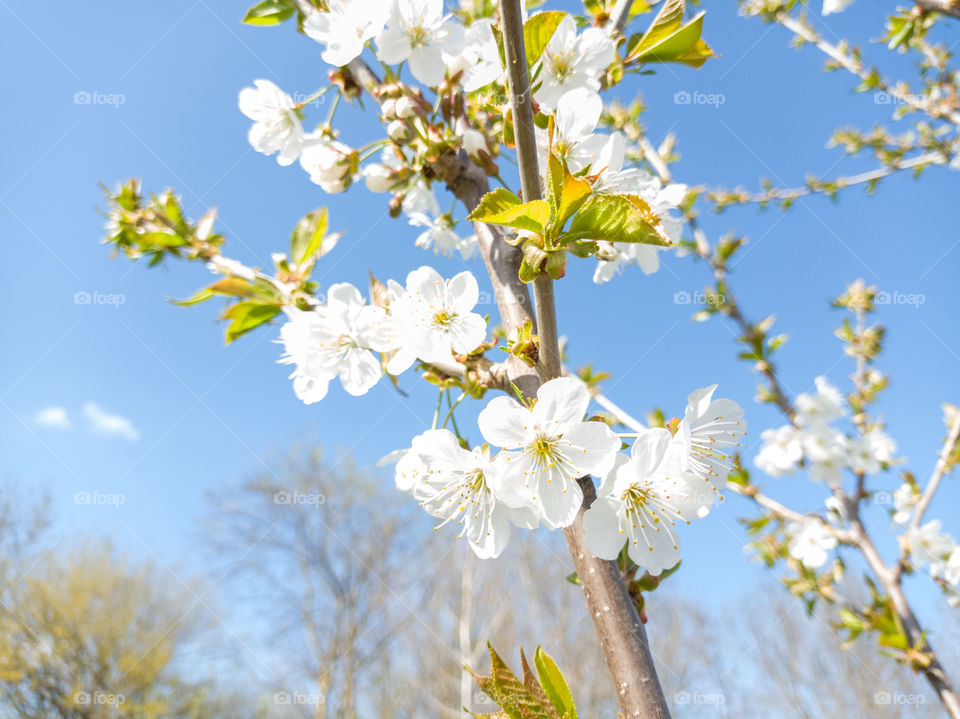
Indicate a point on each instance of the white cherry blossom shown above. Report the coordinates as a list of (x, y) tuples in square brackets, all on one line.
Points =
[(466, 487), (781, 451), (434, 318), (708, 432), (416, 31), (821, 407), (346, 27), (810, 541), (276, 126), (548, 447), (871, 451), (570, 61), (832, 6), (333, 340), (929, 546), (478, 59), (642, 501), (905, 498), (331, 164)]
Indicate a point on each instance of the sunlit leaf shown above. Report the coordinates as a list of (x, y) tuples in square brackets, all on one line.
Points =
[(502, 207)]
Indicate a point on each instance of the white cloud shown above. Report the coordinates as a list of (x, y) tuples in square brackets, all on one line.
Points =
[(55, 417), (102, 422)]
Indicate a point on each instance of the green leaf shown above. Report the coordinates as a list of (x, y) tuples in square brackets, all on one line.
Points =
[(668, 39), (566, 192), (270, 12), (307, 239), (537, 32), (502, 207), (245, 316), (617, 218), (203, 295), (554, 685)]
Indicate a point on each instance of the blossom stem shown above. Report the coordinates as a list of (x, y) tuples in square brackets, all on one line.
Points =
[(939, 471), (436, 412)]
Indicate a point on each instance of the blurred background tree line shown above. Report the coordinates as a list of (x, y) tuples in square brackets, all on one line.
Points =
[(323, 601)]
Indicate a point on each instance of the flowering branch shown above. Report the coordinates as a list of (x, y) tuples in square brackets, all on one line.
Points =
[(943, 461)]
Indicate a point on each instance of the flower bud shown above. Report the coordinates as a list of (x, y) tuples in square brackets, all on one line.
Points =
[(398, 131), (405, 107), (378, 178), (388, 108), (473, 142)]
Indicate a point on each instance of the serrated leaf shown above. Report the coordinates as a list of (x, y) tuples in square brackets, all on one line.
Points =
[(668, 39), (554, 684), (502, 207), (245, 316), (307, 238), (269, 12), (617, 218), (537, 32)]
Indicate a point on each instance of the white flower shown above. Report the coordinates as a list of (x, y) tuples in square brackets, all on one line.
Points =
[(820, 408), (575, 120), (836, 511), (826, 450), (641, 502), (871, 451), (345, 27), (570, 61), (709, 429), (781, 451), (331, 164), (548, 447), (930, 546), (227, 266), (810, 541), (276, 125), (466, 487), (421, 199), (408, 470), (951, 568), (433, 318), (385, 175), (905, 498), (417, 31), (479, 59), (333, 340), (832, 6)]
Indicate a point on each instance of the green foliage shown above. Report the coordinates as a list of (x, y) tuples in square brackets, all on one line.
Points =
[(537, 32), (544, 695), (270, 12), (592, 217), (669, 39), (306, 244)]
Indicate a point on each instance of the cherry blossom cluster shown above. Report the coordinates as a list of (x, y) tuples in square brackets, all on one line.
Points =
[(441, 53), (429, 318), (547, 446), (822, 449)]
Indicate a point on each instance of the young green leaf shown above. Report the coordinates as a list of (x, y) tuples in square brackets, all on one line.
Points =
[(617, 218), (554, 684), (502, 207), (668, 39), (270, 12), (307, 239), (566, 193), (537, 32), (245, 316)]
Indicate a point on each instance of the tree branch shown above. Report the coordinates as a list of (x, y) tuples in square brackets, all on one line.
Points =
[(944, 7), (938, 473), (614, 613)]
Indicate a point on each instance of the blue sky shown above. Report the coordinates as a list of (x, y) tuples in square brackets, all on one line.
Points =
[(163, 79)]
